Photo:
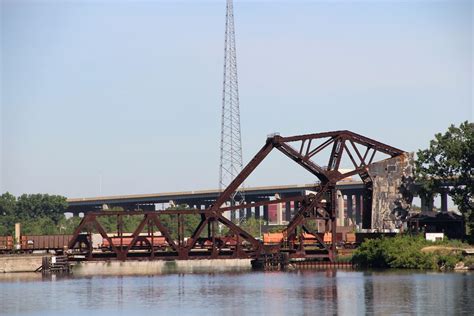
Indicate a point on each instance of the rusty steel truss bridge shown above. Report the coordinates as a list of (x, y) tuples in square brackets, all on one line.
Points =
[(154, 239)]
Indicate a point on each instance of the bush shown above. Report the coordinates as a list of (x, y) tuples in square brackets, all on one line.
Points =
[(468, 261), (405, 252)]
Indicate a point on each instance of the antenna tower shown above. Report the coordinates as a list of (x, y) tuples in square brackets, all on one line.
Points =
[(231, 143)]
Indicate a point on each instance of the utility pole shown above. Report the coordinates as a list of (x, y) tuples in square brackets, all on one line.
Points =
[(231, 143)]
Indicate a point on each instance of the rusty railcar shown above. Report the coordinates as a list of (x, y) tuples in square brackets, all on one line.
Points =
[(6, 244), (58, 243)]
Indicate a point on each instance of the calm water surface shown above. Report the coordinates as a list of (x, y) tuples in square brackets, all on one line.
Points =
[(249, 293)]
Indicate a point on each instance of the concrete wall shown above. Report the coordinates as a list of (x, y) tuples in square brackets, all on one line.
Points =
[(20, 263), (390, 199), (160, 267)]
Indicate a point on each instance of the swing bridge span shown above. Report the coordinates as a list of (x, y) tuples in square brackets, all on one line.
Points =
[(153, 238)]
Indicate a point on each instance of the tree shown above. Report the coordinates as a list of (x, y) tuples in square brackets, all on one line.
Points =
[(190, 221), (41, 205), (68, 225), (450, 160), (39, 226), (7, 213), (253, 226), (38, 213), (7, 204)]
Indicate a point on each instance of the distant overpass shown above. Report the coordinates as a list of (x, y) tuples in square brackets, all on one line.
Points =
[(204, 198)]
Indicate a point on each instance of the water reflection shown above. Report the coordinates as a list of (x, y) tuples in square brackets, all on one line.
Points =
[(273, 293)]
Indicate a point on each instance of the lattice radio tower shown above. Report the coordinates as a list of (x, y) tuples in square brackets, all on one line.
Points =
[(231, 143)]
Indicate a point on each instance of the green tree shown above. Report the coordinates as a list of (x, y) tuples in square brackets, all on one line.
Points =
[(408, 252), (7, 204), (31, 206), (38, 213), (7, 214), (190, 221), (39, 226), (253, 226), (68, 225), (450, 159)]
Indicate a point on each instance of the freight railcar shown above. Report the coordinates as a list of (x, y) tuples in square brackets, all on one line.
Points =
[(58, 243), (6, 244), (30, 243), (343, 240), (141, 242)]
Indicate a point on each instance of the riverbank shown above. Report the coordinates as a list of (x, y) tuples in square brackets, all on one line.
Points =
[(413, 252), (401, 252)]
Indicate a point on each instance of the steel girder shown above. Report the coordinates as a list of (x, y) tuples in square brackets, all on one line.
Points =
[(359, 150)]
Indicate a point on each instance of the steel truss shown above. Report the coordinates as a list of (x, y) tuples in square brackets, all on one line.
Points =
[(206, 242)]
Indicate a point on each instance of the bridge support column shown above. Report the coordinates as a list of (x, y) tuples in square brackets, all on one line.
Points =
[(427, 203), (265, 213), (367, 210), (148, 207), (444, 201), (350, 215), (249, 212), (358, 214), (288, 211)]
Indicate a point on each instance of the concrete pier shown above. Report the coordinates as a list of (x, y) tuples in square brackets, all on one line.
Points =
[(20, 263), (160, 267)]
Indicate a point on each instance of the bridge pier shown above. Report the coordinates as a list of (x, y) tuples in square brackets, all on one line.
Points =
[(265, 213), (444, 201), (350, 214), (249, 212), (257, 212), (358, 213), (367, 211), (427, 203), (288, 211)]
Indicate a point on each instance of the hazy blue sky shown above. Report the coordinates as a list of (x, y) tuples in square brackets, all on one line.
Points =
[(131, 91)]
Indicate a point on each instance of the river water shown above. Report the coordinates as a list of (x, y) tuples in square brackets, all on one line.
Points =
[(245, 293)]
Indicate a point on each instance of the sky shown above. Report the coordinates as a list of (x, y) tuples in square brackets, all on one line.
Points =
[(124, 97)]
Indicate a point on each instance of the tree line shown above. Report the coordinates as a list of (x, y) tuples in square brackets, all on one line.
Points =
[(39, 214)]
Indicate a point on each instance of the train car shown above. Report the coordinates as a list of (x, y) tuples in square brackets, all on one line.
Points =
[(57, 243), (327, 238), (224, 241), (143, 242), (6, 244), (310, 239), (272, 238), (277, 238)]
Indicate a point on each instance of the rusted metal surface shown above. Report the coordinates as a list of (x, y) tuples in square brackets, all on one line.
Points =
[(207, 242), (45, 242), (6, 243)]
